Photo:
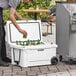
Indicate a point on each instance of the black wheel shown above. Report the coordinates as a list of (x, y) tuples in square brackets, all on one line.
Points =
[(60, 58), (54, 61)]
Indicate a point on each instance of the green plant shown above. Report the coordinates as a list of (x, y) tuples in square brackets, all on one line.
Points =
[(42, 4), (27, 42), (33, 43), (38, 42), (24, 36), (6, 15)]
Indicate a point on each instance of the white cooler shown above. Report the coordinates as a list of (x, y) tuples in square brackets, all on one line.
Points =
[(31, 55)]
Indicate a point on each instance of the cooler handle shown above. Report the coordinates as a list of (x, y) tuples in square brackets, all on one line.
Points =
[(40, 50)]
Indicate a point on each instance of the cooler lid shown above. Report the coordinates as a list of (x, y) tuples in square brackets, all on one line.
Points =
[(33, 28)]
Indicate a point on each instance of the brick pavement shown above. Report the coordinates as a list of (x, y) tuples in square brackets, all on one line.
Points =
[(48, 70)]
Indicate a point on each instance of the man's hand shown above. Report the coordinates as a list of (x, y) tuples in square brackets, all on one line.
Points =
[(25, 19), (23, 32)]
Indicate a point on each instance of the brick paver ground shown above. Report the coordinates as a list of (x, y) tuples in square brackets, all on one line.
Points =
[(61, 69)]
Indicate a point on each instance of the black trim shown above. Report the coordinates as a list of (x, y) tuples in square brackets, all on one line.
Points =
[(14, 55), (19, 55), (20, 23)]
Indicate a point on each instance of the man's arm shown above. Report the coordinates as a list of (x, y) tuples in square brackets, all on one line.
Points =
[(12, 18), (19, 16)]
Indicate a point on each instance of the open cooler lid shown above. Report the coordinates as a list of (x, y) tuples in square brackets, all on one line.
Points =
[(33, 28)]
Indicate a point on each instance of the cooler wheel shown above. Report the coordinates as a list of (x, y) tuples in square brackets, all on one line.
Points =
[(54, 61)]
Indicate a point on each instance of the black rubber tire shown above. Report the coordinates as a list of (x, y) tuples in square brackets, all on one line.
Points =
[(54, 61)]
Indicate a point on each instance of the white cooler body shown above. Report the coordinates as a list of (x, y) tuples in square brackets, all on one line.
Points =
[(32, 55)]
